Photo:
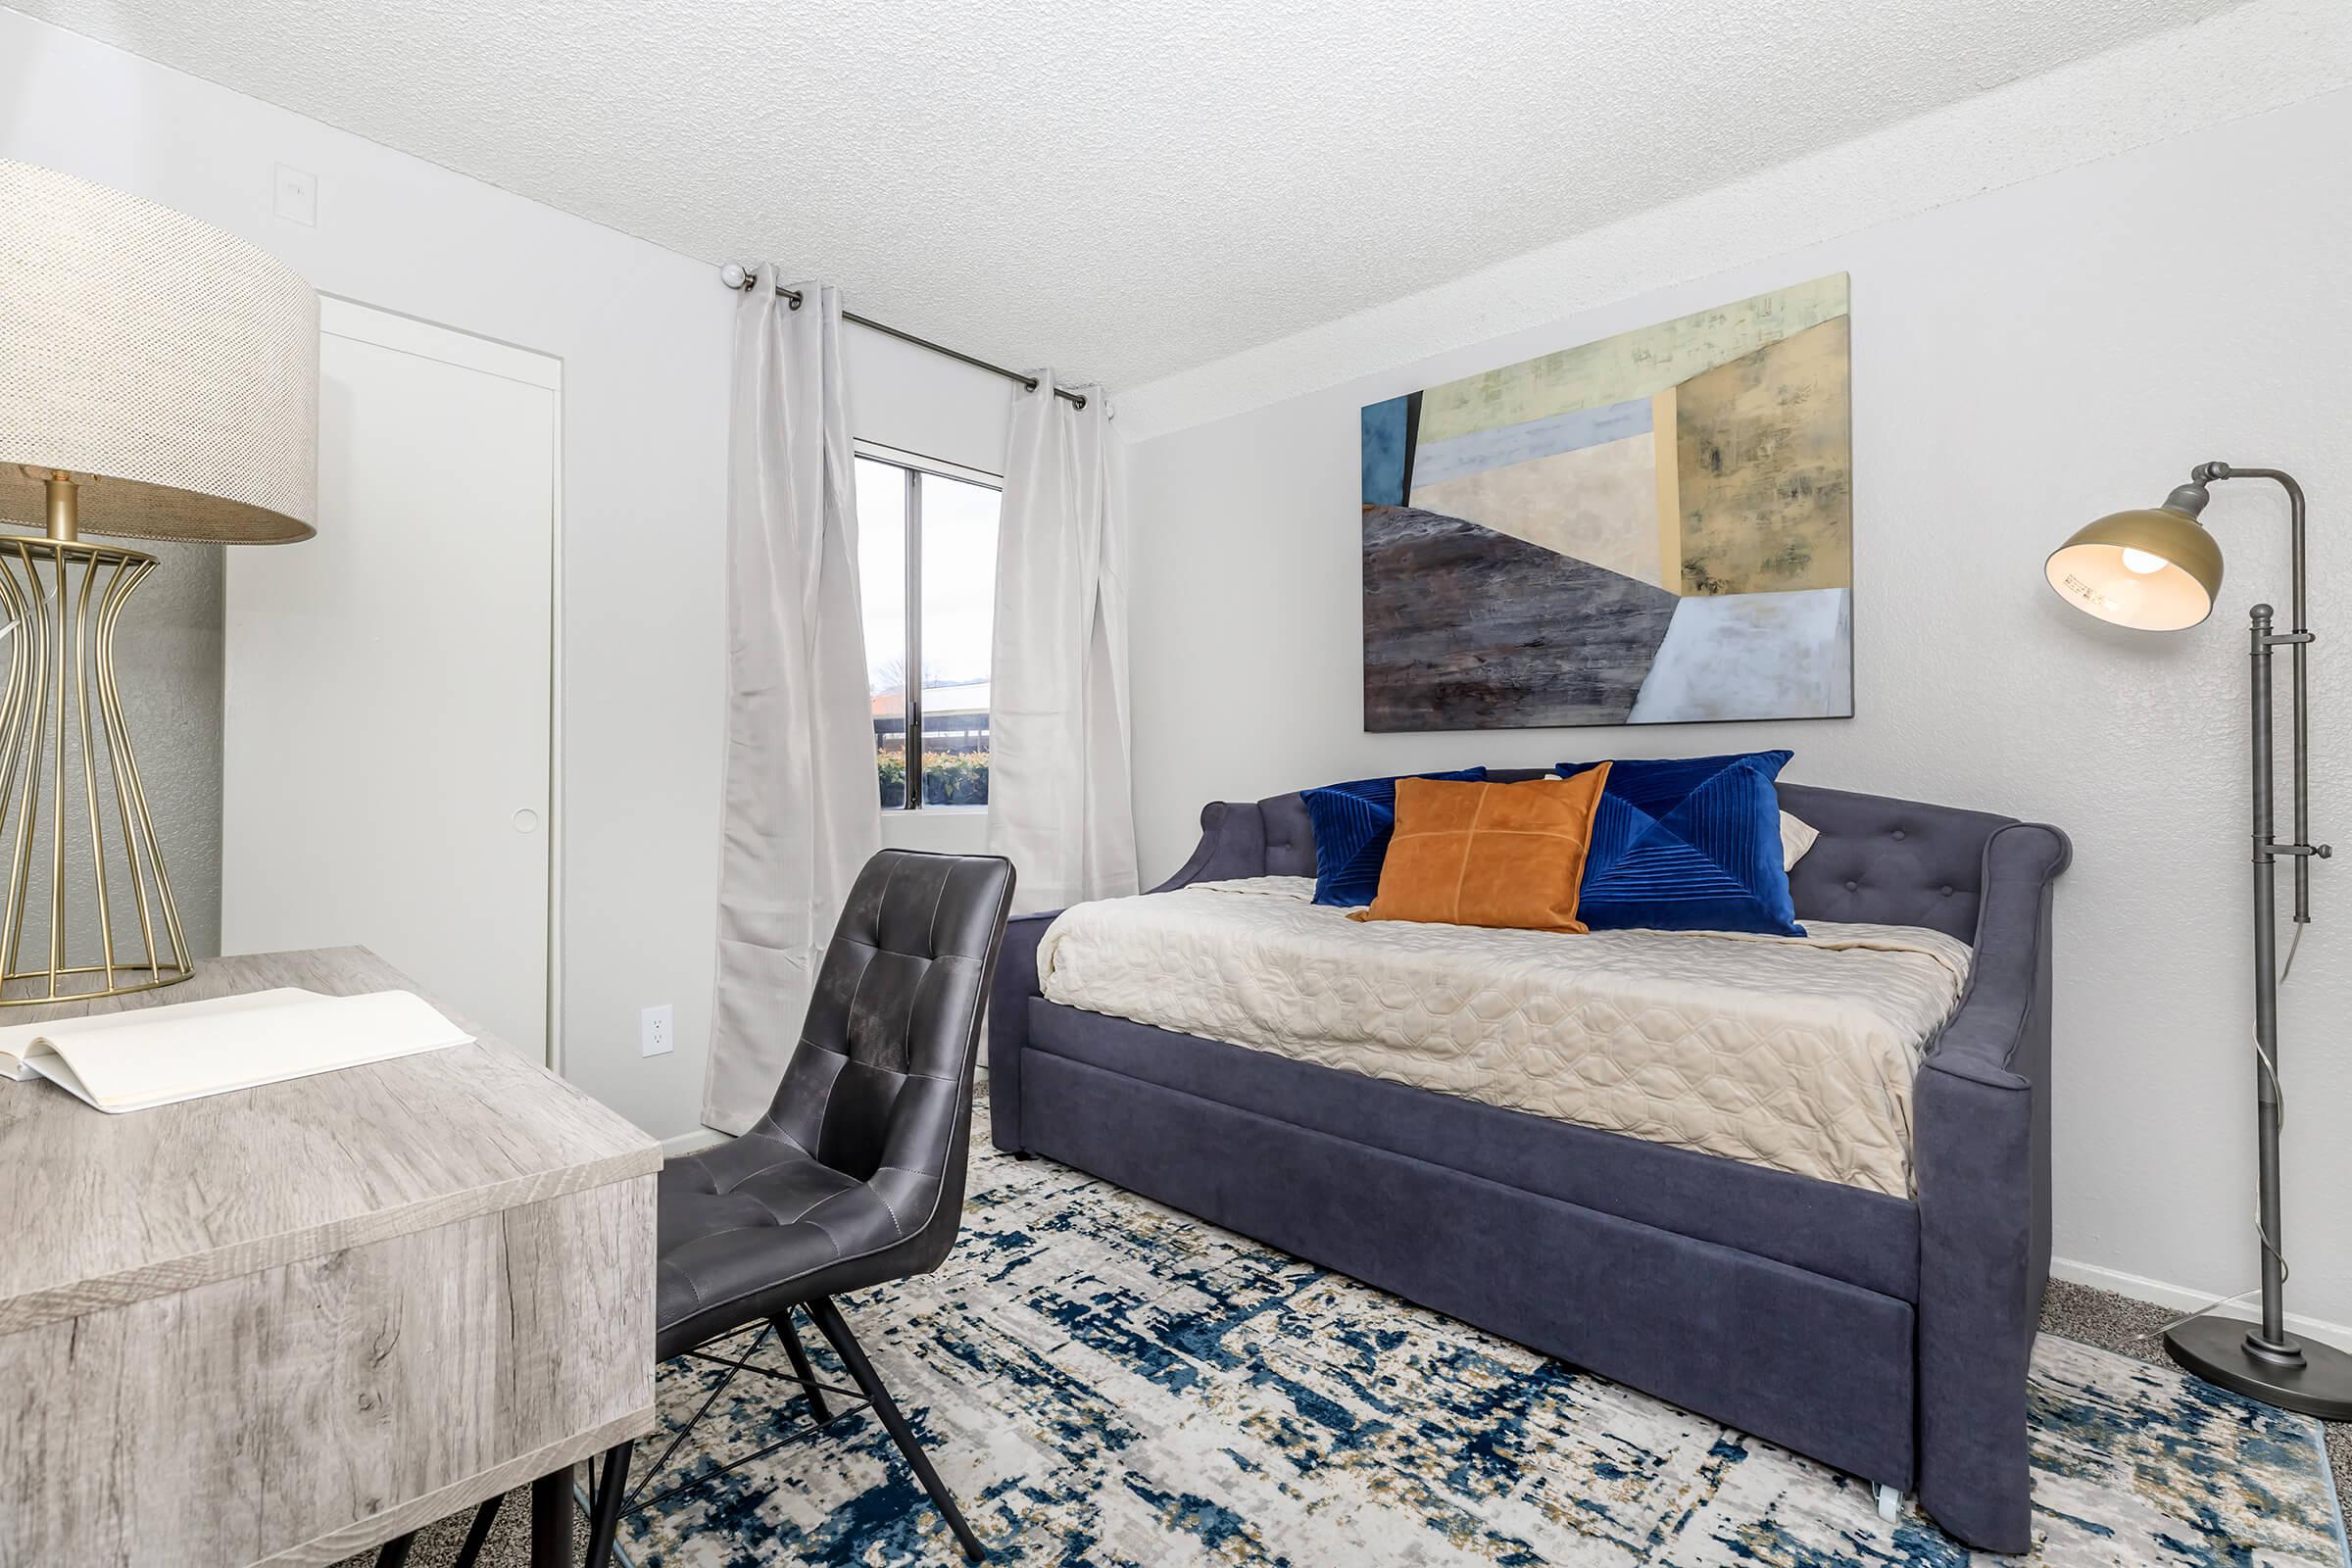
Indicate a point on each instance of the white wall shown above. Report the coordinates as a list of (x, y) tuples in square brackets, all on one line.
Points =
[(915, 400), (642, 333), (2023, 361)]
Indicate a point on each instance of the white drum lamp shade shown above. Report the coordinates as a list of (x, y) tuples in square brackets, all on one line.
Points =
[(158, 378), (169, 366)]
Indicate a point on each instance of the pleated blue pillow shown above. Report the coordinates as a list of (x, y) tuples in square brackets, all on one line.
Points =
[(1688, 844), (1354, 823)]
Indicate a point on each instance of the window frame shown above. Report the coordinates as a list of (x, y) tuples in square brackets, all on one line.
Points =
[(912, 466)]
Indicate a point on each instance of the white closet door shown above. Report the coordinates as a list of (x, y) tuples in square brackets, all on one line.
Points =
[(389, 711)]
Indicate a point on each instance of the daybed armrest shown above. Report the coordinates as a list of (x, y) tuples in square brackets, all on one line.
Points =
[(1982, 1154), (1988, 1040), (1009, 1024), (1233, 843)]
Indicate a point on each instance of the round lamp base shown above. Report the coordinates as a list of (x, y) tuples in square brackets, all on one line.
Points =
[(2317, 1380)]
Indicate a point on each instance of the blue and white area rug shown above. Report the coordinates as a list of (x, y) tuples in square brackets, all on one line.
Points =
[(1107, 1384)]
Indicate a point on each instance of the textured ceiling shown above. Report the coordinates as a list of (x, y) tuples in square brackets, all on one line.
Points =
[(1115, 187)]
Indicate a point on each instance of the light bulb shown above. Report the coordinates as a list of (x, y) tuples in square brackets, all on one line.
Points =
[(2143, 562)]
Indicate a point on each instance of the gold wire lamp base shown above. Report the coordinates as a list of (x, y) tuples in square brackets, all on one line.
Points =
[(89, 911)]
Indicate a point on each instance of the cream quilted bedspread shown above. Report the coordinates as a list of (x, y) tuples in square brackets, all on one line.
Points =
[(1793, 1053)]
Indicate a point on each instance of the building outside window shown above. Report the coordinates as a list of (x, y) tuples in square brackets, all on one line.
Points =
[(927, 544)]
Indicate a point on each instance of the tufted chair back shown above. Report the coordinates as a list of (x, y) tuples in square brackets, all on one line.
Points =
[(879, 1087)]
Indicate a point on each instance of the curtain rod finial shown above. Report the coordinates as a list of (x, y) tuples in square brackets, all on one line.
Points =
[(734, 277)]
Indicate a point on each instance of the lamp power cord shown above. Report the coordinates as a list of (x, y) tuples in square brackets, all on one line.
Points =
[(2269, 1247)]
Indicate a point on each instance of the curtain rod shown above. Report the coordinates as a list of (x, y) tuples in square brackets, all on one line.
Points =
[(738, 276)]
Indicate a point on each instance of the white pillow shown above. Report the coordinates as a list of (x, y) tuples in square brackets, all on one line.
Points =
[(1795, 839)]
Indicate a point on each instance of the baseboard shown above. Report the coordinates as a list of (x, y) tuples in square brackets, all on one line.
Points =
[(693, 1143), (2141, 1289)]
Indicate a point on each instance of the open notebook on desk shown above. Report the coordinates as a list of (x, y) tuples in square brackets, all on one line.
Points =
[(121, 1062)]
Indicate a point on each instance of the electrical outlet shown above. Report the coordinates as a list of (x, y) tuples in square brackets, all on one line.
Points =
[(297, 200), (654, 1036)]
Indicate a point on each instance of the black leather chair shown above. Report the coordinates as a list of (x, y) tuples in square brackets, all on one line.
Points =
[(856, 1174)]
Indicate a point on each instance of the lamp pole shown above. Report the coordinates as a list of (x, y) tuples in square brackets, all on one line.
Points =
[(2267, 1363)]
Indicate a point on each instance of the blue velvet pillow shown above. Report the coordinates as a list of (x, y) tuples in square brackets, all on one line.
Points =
[(1688, 844), (1354, 823)]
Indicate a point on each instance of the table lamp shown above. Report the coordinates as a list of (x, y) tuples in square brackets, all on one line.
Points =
[(159, 379), (2159, 570)]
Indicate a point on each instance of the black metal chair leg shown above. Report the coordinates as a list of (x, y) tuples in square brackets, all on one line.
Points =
[(603, 1509), (478, 1534), (828, 1320), (394, 1553), (790, 1333)]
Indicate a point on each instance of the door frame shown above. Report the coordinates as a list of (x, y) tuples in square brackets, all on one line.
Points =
[(402, 333)]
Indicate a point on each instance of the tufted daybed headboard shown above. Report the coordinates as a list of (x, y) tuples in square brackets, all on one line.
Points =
[(1879, 860)]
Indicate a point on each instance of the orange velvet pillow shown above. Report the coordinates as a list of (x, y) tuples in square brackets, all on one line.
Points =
[(1493, 855)]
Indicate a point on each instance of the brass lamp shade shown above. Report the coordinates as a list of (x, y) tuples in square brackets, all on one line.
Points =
[(167, 366), (2152, 570)]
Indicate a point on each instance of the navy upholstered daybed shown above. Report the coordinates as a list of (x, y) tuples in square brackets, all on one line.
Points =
[(1887, 1337)]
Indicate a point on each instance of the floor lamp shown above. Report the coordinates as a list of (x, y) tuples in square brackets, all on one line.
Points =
[(158, 378), (2159, 570)]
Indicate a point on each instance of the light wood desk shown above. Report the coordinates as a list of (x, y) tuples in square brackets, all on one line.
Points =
[(283, 1325)]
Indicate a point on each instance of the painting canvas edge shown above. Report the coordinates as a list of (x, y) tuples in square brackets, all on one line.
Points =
[(1557, 487)]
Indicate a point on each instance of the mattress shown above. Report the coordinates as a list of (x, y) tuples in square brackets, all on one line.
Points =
[(1796, 1054)]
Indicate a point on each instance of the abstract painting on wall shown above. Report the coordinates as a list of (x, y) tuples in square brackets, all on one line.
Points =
[(1655, 528)]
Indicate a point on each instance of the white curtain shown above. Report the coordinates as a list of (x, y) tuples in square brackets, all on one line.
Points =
[(800, 811), (1059, 802)]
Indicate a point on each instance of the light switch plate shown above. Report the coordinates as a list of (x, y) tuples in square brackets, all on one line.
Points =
[(655, 1035), (297, 199)]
